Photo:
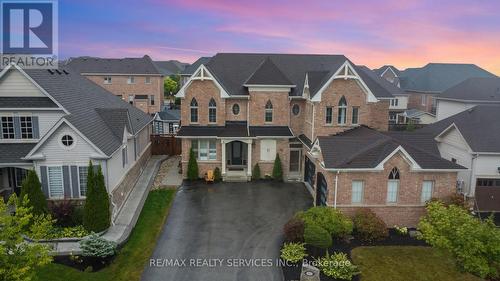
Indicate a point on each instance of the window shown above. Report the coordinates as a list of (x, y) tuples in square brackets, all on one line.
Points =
[(424, 99), (236, 109), (82, 178), (8, 127), (131, 99), (357, 191), (212, 111), (329, 115), (342, 111), (269, 112), (204, 149), (67, 140), (454, 160), (147, 80), (131, 80), (355, 115), (394, 102), (393, 186), (55, 181), (124, 157), (26, 127), (427, 187), (194, 111), (295, 109), (267, 150), (152, 99), (107, 80)]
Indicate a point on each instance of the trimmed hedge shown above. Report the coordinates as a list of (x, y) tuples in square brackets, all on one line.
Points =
[(317, 236), (256, 172), (337, 224)]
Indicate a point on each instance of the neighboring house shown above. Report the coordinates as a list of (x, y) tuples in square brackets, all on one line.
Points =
[(472, 139), (415, 116), (167, 122), (389, 73), (469, 93), (135, 80), (55, 121), (425, 83), (190, 69), (240, 110), (170, 67)]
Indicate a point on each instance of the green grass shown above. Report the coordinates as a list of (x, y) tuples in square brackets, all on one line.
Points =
[(133, 257), (395, 263)]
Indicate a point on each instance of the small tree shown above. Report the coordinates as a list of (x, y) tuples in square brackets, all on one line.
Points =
[(32, 188), (256, 172), (317, 236), (192, 172), (277, 169), (96, 216), (217, 174)]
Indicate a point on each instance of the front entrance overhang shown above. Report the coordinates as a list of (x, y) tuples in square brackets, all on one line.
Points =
[(226, 144)]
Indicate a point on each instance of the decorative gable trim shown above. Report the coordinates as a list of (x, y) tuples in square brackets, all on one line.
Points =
[(347, 71), (439, 138), (201, 74), (389, 68), (413, 164), (306, 86)]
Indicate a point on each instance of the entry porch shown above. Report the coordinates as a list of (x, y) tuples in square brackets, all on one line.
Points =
[(236, 159)]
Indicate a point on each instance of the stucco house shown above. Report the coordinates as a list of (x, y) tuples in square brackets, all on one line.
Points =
[(135, 80), (239, 110), (465, 95), (55, 121)]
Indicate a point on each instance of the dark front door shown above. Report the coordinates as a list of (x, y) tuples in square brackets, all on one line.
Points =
[(321, 190), (236, 153), (309, 171)]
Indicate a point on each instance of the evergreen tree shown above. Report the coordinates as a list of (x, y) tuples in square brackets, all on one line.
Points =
[(277, 169), (256, 172), (96, 215), (192, 172), (32, 188)]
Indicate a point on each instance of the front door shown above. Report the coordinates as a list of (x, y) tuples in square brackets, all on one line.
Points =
[(321, 190), (294, 161), (236, 155)]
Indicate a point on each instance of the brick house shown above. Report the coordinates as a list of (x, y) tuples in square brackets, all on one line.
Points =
[(239, 110), (136, 80)]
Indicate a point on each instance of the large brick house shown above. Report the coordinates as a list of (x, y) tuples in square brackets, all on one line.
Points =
[(239, 110), (136, 80)]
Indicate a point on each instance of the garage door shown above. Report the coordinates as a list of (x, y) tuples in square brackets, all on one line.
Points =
[(309, 171), (488, 195), (321, 190)]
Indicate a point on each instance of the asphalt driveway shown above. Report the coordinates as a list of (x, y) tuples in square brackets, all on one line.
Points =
[(226, 231)]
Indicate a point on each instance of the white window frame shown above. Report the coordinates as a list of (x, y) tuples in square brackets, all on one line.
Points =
[(267, 150), (108, 80), (29, 129), (268, 112), (131, 80), (151, 99), (389, 193), (357, 115), (329, 116), (426, 195), (423, 99), (360, 192), (80, 178), (60, 168), (208, 147), (212, 108), (342, 112), (9, 135), (147, 80), (194, 108)]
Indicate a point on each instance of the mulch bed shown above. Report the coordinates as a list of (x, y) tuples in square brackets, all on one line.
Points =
[(84, 263), (292, 273)]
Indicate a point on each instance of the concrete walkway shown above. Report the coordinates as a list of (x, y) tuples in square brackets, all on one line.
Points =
[(128, 215)]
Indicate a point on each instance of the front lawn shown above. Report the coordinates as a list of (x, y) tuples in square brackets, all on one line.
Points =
[(133, 257), (395, 263)]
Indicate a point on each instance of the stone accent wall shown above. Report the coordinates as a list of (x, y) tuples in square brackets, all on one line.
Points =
[(242, 116), (266, 167), (202, 91), (120, 88), (281, 107), (120, 193)]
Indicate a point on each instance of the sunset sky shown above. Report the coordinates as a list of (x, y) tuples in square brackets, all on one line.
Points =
[(405, 33)]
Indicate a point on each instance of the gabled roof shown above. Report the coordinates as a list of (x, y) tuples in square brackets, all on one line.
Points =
[(170, 115), (479, 126), (90, 108), (387, 67), (316, 79), (190, 69), (475, 89), (92, 65), (437, 77), (170, 67), (268, 74), (379, 86), (365, 148), (14, 152)]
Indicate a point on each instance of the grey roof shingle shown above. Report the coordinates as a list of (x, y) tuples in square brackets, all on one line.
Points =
[(27, 102), (363, 147), (270, 131), (91, 65), (235, 129), (170, 115), (189, 70), (379, 86), (268, 74), (13, 152), (382, 69), (476, 89), (478, 125), (170, 67)]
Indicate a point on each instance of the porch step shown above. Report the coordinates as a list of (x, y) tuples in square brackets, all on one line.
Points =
[(235, 178)]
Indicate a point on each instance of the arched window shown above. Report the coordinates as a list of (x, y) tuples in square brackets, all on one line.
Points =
[(269, 112), (212, 111), (194, 111), (342, 111), (393, 186)]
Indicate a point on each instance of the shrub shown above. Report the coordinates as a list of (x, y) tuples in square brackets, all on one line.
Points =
[(474, 244), (96, 215), (293, 252), (277, 169), (77, 216), (192, 172), (32, 188), (336, 223), (317, 236), (256, 172), (368, 227), (73, 232), (96, 246), (42, 227), (337, 266), (217, 174), (401, 230), (63, 212), (294, 230)]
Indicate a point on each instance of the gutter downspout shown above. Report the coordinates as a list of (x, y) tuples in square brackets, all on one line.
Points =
[(474, 156), (336, 184)]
